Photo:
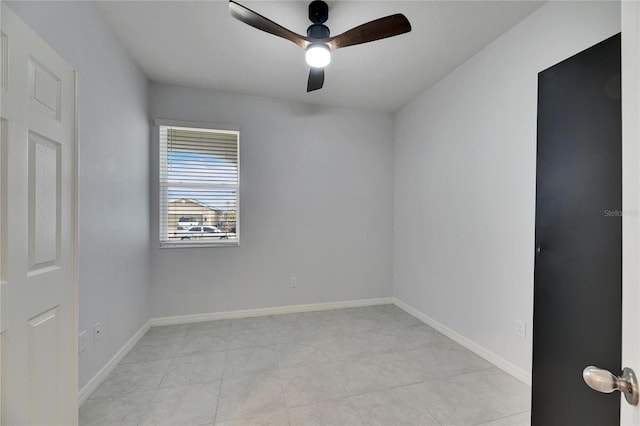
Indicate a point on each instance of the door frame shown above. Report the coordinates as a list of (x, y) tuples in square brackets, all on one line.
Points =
[(75, 259), (630, 25)]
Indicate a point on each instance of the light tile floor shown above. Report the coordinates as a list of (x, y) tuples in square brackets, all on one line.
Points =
[(373, 365)]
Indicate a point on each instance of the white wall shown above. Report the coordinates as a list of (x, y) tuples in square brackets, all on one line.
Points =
[(315, 203), (113, 174), (464, 180)]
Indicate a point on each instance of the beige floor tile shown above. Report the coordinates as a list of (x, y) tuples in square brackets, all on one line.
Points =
[(250, 396), (522, 419), (275, 418), (251, 361), (396, 406), (202, 342), (130, 378), (432, 362), (191, 405), (121, 411), (312, 384), (191, 369), (364, 375), (329, 413), (473, 398)]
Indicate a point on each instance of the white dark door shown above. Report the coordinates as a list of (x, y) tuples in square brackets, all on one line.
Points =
[(37, 217), (578, 258), (630, 295)]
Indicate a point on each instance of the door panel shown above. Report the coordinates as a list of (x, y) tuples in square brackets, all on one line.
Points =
[(37, 296), (578, 264), (44, 203)]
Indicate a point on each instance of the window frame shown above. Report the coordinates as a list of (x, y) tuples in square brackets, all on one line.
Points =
[(163, 198)]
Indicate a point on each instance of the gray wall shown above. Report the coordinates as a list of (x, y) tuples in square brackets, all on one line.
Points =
[(113, 174), (464, 180), (315, 203)]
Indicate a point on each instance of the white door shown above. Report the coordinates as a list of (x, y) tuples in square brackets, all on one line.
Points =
[(37, 217), (630, 14)]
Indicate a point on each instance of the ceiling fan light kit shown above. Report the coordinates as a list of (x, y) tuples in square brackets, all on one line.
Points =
[(318, 44), (318, 55)]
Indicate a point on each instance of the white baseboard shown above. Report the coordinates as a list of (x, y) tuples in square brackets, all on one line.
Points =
[(185, 319), (99, 377), (498, 361)]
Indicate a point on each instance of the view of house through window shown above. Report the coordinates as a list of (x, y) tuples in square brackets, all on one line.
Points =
[(199, 182)]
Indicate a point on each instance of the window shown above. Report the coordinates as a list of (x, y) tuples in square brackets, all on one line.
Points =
[(199, 183)]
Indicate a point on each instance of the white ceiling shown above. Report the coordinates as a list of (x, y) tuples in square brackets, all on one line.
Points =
[(198, 44)]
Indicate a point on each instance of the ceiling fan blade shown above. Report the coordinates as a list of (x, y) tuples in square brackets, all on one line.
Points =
[(388, 26), (258, 21), (316, 79)]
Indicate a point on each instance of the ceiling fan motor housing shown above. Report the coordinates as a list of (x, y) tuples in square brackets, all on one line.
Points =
[(318, 12), (318, 31)]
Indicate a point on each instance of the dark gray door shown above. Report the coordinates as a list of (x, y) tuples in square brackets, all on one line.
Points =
[(577, 313)]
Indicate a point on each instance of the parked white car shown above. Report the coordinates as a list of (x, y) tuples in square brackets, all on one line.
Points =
[(198, 232)]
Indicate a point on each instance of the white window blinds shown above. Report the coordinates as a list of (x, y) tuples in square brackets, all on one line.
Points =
[(199, 183)]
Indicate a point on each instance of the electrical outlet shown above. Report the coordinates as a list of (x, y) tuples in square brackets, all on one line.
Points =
[(82, 341), (294, 282), (521, 329), (97, 331)]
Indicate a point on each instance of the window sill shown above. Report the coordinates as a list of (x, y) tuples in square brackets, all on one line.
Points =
[(191, 244)]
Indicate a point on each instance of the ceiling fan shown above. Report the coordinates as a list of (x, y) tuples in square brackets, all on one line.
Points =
[(317, 43)]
